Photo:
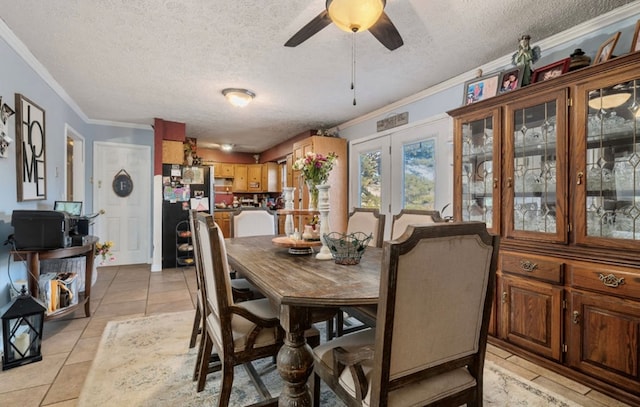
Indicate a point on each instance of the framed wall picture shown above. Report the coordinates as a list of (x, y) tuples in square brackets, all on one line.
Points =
[(635, 44), (606, 49), (482, 88), (551, 71), (30, 150), (511, 79)]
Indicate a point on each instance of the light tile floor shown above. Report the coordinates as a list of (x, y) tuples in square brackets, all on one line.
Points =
[(131, 291)]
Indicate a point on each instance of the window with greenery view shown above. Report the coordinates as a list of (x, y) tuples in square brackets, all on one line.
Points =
[(370, 180), (419, 175)]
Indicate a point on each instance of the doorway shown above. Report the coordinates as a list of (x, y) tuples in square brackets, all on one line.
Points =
[(74, 170), (127, 219), (409, 167)]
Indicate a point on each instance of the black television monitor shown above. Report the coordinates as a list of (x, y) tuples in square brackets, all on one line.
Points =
[(73, 208)]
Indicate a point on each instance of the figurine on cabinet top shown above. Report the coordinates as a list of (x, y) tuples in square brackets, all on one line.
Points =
[(525, 57)]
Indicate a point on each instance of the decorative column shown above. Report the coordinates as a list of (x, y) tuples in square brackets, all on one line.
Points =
[(288, 204), (323, 207)]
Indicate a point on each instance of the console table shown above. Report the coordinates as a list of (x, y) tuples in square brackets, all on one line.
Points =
[(33, 257)]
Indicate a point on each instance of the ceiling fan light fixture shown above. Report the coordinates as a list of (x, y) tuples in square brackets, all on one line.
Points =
[(610, 98), (238, 97), (355, 15)]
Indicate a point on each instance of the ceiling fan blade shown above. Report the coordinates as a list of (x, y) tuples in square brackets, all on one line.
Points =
[(318, 23), (386, 32)]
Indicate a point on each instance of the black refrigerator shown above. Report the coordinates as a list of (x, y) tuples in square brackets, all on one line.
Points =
[(182, 188)]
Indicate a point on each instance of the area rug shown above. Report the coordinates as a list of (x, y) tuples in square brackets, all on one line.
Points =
[(146, 362)]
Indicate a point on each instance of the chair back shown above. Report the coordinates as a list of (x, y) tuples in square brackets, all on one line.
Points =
[(369, 221), (258, 222), (217, 282), (408, 217), (197, 262), (436, 288)]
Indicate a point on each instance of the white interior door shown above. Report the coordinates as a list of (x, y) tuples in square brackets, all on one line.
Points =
[(126, 220), (411, 167)]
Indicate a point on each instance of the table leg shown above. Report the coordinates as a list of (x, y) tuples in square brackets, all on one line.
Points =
[(88, 276), (33, 263), (295, 360)]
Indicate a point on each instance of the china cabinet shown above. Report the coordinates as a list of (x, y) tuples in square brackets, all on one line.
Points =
[(554, 168)]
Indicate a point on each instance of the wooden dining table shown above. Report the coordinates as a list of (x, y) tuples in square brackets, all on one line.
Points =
[(301, 287)]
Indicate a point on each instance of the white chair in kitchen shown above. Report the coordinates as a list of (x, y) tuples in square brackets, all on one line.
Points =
[(253, 222)]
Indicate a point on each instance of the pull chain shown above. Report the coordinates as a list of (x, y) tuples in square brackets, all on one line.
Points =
[(353, 66)]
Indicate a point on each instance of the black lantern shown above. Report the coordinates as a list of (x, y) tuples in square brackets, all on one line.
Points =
[(22, 323)]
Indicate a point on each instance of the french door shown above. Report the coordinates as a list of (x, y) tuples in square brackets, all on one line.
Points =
[(410, 168)]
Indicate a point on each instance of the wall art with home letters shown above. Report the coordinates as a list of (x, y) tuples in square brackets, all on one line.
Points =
[(30, 150)]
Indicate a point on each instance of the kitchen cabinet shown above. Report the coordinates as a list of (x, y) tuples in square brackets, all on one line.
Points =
[(240, 180), (338, 181), (223, 219), (254, 178), (223, 170), (554, 168), (172, 152), (271, 180)]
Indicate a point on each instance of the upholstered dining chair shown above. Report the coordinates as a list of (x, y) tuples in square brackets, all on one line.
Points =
[(239, 332), (369, 221), (430, 338), (240, 288), (198, 320), (250, 222), (407, 217)]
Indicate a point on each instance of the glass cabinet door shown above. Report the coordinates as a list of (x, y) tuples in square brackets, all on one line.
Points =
[(535, 167), (608, 163), (477, 169)]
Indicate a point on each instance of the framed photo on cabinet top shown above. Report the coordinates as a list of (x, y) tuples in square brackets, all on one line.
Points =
[(30, 150), (511, 79), (482, 88), (551, 71), (606, 49)]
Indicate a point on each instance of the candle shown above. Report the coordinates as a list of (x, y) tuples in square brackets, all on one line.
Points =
[(22, 343)]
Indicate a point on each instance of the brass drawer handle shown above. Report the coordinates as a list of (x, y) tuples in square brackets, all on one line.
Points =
[(576, 317), (527, 265), (611, 280)]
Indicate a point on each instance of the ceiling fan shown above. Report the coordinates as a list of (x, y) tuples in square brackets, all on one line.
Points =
[(352, 16)]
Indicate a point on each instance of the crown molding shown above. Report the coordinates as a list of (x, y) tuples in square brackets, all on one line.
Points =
[(120, 124), (571, 34)]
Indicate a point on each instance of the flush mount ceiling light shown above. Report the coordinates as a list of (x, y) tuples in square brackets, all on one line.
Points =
[(238, 97), (609, 98), (354, 16), (226, 147)]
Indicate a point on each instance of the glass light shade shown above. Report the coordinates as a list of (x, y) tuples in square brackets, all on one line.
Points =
[(238, 97), (355, 15), (609, 98)]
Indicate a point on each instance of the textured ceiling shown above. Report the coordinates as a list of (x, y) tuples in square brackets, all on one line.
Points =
[(132, 60)]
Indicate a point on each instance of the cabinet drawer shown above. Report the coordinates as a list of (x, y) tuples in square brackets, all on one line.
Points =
[(540, 268), (608, 280)]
